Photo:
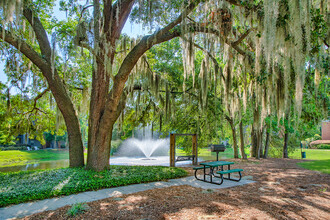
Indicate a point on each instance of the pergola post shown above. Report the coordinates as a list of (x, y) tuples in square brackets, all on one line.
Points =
[(172, 150), (194, 148)]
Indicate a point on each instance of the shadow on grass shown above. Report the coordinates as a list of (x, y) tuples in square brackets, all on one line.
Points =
[(318, 165)]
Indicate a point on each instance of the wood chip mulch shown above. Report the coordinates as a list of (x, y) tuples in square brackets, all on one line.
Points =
[(282, 191)]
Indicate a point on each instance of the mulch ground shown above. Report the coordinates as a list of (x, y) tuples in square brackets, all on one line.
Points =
[(282, 191)]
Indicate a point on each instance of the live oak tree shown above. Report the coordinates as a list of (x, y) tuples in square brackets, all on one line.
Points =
[(269, 40)]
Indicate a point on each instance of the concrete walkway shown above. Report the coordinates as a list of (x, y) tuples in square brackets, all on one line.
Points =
[(25, 209)]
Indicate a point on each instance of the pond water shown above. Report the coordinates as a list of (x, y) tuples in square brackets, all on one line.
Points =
[(37, 166), (152, 161)]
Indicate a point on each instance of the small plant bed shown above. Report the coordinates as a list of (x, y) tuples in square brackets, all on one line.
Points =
[(34, 185), (77, 209)]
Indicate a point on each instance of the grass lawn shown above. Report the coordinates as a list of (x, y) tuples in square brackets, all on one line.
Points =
[(321, 159), (21, 157), (312, 154), (18, 157), (41, 184), (319, 165)]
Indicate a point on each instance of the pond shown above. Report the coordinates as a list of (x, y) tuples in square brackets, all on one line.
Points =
[(152, 161), (37, 166)]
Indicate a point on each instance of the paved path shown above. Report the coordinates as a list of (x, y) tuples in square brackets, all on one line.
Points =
[(25, 209)]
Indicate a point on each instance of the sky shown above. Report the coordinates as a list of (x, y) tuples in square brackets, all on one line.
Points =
[(132, 30), (3, 77)]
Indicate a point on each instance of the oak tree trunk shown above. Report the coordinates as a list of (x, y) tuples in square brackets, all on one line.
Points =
[(243, 155), (64, 103), (233, 130), (267, 144), (260, 137), (234, 142), (286, 132), (285, 146), (254, 143), (256, 134)]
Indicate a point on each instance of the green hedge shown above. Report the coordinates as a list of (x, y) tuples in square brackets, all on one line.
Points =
[(41, 184), (321, 146), (12, 148)]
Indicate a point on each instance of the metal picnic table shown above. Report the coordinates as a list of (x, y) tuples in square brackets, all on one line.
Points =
[(213, 166)]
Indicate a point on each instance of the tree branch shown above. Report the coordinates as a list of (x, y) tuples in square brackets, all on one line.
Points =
[(40, 32), (242, 37), (83, 10), (25, 49), (39, 96), (113, 26), (184, 14), (197, 27), (139, 88), (90, 49), (246, 5), (121, 105), (217, 67)]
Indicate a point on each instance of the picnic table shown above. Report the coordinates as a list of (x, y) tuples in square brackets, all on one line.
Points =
[(213, 170)]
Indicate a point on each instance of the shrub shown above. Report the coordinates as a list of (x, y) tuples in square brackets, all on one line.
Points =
[(13, 148), (317, 137), (77, 209), (321, 146), (24, 186)]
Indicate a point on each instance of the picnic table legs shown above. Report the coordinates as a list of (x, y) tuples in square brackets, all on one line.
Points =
[(213, 173), (228, 169), (222, 175), (197, 177), (204, 173), (236, 180)]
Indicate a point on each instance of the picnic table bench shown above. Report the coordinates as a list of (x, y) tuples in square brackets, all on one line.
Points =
[(184, 158), (213, 170)]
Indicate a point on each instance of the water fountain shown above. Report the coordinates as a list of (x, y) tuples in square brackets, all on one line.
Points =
[(146, 148), (143, 149)]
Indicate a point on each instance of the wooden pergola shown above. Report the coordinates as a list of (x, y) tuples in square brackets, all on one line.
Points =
[(172, 148)]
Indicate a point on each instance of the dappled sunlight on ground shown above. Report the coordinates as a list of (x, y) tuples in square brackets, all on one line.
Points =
[(60, 185), (282, 191)]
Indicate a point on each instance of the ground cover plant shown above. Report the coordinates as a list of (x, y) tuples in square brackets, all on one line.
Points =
[(17, 157), (33, 185), (77, 209)]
